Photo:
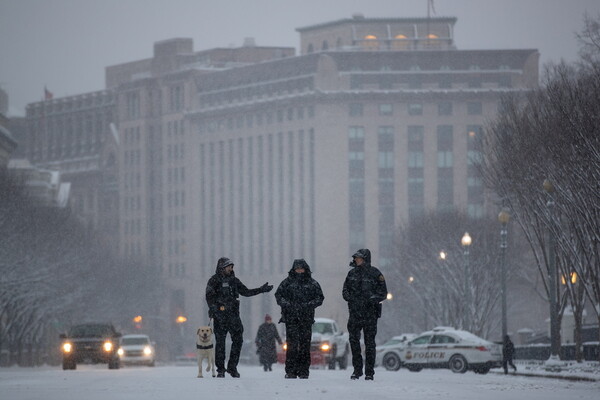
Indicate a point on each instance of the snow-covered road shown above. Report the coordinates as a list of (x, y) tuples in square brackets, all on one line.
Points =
[(180, 383)]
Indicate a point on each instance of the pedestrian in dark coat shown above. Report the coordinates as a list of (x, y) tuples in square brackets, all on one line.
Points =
[(364, 290), (508, 352), (298, 295), (222, 292), (266, 336)]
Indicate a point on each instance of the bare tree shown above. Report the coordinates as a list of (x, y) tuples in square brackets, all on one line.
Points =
[(433, 275), (53, 273), (552, 134)]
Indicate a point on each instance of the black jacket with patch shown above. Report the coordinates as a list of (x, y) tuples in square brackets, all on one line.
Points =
[(364, 289), (223, 291)]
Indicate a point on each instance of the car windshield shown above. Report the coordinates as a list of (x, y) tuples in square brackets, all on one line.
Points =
[(91, 330), (322, 327), (134, 340), (391, 342)]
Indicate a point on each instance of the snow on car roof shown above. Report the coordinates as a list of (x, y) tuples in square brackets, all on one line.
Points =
[(324, 320), (464, 335), (404, 336)]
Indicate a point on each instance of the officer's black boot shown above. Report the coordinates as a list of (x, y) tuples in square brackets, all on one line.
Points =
[(355, 375), (233, 372)]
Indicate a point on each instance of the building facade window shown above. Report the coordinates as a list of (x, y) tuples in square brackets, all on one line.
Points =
[(356, 174), (355, 109), (474, 108), (415, 109), (445, 108), (475, 189), (385, 139), (445, 170), (132, 104), (415, 189), (176, 98), (386, 109)]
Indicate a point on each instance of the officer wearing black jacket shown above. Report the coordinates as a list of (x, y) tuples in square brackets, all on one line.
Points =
[(222, 292), (364, 290), (298, 295)]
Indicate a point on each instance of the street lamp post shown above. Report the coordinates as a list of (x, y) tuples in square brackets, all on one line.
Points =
[(466, 242), (180, 320), (503, 218), (552, 281)]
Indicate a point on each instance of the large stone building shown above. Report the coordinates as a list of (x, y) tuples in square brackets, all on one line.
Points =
[(264, 156), (8, 143)]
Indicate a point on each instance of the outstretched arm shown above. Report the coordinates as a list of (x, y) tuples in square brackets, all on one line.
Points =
[(244, 291)]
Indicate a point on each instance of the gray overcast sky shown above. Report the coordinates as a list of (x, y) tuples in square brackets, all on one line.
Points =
[(66, 44)]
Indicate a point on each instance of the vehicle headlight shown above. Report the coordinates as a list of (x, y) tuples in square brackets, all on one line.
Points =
[(147, 350), (284, 346), (67, 347), (108, 346), (325, 346), (120, 351)]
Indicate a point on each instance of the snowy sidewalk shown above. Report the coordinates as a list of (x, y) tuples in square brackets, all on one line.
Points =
[(587, 371), (168, 382)]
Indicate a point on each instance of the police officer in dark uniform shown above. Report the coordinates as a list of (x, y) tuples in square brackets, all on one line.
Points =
[(222, 292), (364, 290), (298, 295)]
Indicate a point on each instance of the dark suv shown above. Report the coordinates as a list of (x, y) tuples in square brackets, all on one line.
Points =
[(95, 342)]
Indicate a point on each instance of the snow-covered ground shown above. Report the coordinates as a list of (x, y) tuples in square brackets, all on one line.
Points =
[(179, 382)]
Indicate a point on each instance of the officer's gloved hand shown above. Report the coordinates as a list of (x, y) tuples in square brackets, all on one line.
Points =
[(211, 312), (266, 288)]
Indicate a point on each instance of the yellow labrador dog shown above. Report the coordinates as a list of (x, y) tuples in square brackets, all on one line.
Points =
[(205, 349)]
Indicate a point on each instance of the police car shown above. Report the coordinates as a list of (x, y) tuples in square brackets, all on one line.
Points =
[(387, 354), (457, 350)]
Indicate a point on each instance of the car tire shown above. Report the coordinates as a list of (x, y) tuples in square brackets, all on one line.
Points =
[(68, 364), (391, 362), (482, 369), (332, 359), (113, 364), (458, 364), (343, 360), (414, 368)]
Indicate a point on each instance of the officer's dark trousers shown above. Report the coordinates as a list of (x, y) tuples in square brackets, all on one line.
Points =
[(233, 326), (297, 357), (369, 328)]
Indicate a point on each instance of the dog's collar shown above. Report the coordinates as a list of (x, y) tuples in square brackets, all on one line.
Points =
[(210, 346)]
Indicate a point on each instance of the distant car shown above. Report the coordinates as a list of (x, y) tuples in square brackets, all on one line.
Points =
[(329, 342), (137, 349), (328, 346), (388, 354), (90, 343), (457, 350)]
